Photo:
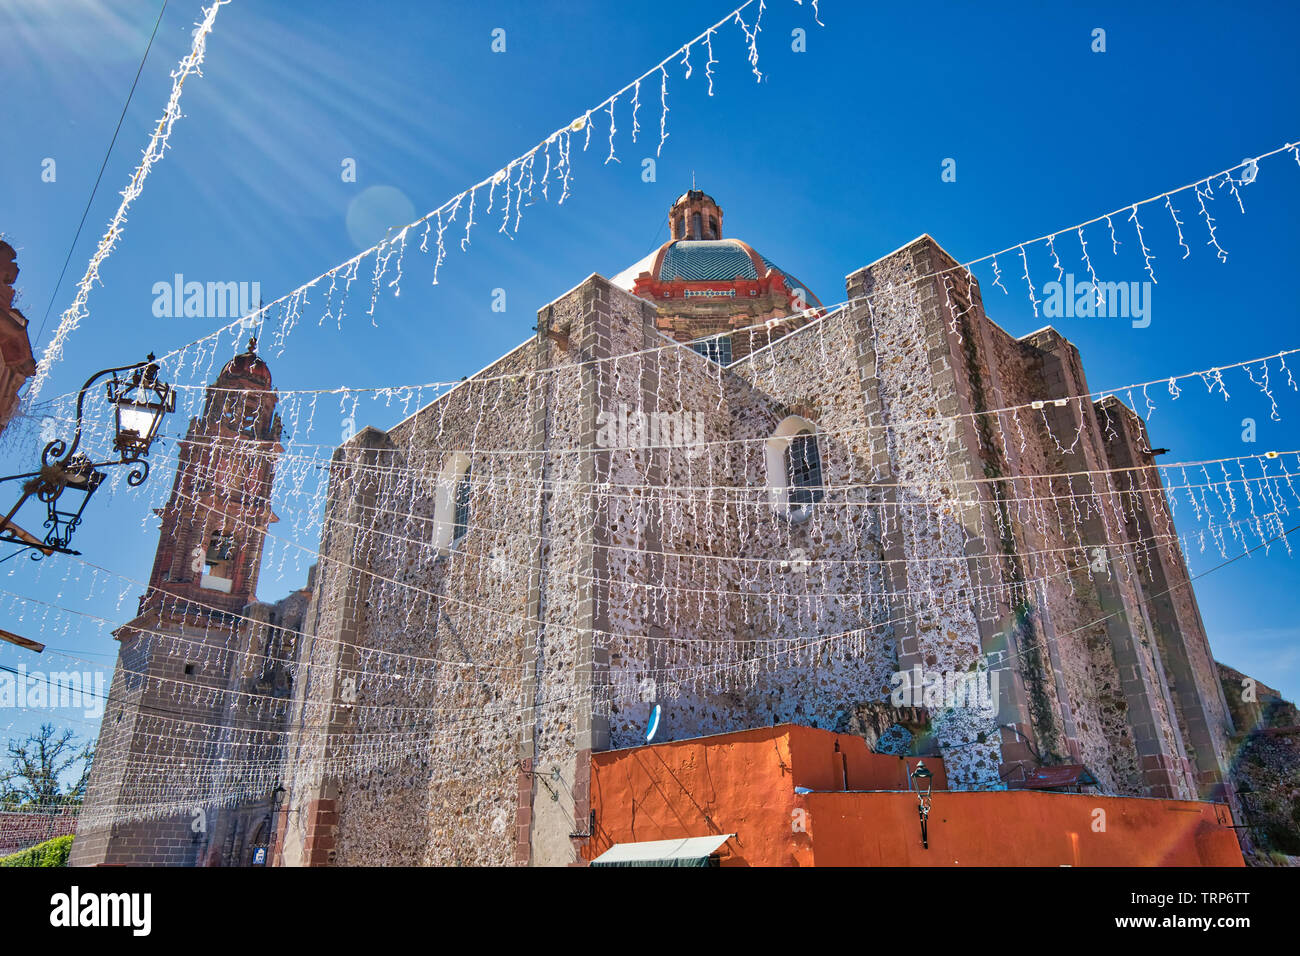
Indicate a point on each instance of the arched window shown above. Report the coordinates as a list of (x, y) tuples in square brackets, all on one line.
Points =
[(697, 230), (713, 227), (794, 468), (219, 562), (452, 499), (681, 228), (803, 469)]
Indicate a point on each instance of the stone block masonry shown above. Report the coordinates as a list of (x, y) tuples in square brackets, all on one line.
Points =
[(504, 592), (590, 589)]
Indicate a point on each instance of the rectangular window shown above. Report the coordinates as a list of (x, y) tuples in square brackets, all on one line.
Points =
[(716, 349), (463, 492)]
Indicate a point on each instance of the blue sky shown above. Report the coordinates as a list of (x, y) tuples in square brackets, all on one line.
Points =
[(830, 162)]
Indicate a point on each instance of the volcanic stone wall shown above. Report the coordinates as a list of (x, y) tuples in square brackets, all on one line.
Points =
[(1085, 720), (485, 663), (1063, 615), (925, 479), (145, 801), (1190, 671), (711, 579), (416, 666), (628, 549)]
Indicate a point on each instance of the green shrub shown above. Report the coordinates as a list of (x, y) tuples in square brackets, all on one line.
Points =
[(1281, 837), (50, 853)]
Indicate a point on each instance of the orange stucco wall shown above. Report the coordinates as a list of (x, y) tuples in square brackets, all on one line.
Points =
[(1017, 828), (744, 783)]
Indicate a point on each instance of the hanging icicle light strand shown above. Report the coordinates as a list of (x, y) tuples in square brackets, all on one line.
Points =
[(158, 143), (348, 268), (255, 319)]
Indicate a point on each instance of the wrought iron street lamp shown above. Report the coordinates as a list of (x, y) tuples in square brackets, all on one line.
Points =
[(141, 402)]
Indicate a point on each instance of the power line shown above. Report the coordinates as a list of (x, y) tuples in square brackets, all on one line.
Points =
[(85, 212)]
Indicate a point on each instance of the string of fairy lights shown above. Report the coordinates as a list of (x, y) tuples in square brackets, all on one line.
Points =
[(1212, 483), (250, 775), (849, 493), (766, 575), (374, 757), (747, 604), (202, 648), (1271, 487), (1187, 483), (519, 180), (218, 693), (69, 321)]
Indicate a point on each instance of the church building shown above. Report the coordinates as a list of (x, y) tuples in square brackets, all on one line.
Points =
[(697, 503), (543, 565)]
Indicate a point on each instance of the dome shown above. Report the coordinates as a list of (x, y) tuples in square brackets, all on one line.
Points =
[(720, 260), (716, 293), (707, 259), (245, 368), (697, 252), (711, 260), (693, 193)]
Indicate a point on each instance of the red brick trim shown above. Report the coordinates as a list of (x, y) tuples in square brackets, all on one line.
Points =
[(524, 813)]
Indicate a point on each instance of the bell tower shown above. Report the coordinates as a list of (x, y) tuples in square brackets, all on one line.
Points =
[(192, 642), (214, 524)]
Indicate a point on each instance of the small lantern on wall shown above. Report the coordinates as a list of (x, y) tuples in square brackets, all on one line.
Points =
[(921, 781)]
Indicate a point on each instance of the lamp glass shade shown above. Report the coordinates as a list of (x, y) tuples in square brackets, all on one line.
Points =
[(141, 418)]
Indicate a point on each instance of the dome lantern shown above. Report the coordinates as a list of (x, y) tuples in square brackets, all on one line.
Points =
[(695, 215)]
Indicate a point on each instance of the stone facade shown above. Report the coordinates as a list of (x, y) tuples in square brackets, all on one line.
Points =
[(599, 581), (608, 533)]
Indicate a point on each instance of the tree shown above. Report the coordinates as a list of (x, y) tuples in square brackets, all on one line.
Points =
[(38, 765)]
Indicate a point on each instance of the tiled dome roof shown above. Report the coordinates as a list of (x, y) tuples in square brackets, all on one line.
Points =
[(719, 260), (706, 259), (698, 254)]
